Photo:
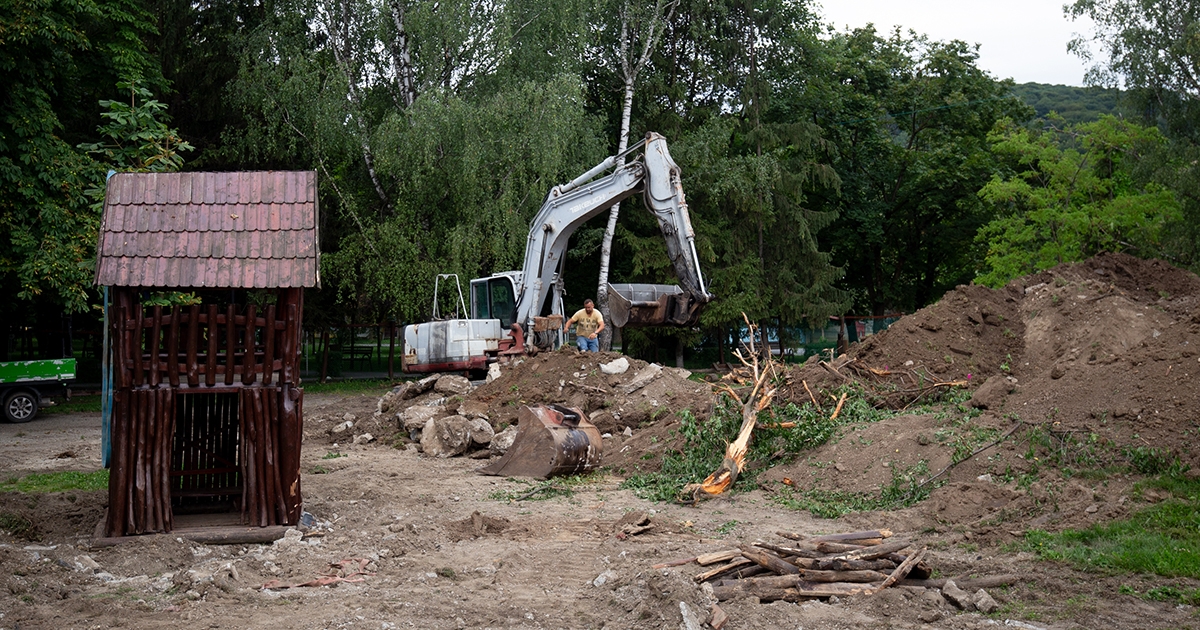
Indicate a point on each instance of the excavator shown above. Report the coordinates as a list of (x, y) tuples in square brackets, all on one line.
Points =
[(509, 314)]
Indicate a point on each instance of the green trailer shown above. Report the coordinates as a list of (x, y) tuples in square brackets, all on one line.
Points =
[(26, 386)]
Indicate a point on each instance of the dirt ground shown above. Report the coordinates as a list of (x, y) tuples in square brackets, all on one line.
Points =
[(1098, 353)]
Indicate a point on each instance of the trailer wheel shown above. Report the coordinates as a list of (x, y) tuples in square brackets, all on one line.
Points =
[(20, 406)]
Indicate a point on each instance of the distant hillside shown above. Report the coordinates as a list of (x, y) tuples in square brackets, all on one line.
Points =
[(1074, 104)]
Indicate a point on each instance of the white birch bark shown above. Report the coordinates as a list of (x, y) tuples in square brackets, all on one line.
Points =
[(352, 86), (402, 57), (663, 11)]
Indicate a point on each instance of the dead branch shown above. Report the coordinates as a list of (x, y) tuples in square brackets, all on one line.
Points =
[(838, 410), (735, 453), (973, 454), (811, 397)]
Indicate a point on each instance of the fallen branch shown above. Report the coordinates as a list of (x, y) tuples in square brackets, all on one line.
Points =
[(674, 563), (902, 570), (973, 454), (834, 371), (877, 551), (735, 453), (841, 401), (921, 391), (342, 571), (812, 398)]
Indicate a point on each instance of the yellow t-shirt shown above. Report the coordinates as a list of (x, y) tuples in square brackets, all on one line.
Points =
[(586, 324)]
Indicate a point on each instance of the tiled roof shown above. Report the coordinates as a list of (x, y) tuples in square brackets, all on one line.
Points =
[(217, 230)]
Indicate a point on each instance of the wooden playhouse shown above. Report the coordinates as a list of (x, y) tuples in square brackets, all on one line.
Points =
[(206, 275)]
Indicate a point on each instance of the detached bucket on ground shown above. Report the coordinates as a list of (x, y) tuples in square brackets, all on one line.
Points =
[(551, 441)]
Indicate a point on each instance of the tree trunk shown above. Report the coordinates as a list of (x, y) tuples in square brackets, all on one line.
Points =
[(606, 245), (343, 61), (402, 58), (630, 67)]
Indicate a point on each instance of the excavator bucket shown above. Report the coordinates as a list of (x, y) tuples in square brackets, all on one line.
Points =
[(550, 441), (652, 305)]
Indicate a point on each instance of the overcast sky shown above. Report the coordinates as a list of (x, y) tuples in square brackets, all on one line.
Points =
[(1025, 40)]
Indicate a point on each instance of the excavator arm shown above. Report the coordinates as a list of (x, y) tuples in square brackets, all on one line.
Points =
[(569, 206), (516, 300)]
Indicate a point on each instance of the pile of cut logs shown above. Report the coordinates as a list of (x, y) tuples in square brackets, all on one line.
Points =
[(809, 567)]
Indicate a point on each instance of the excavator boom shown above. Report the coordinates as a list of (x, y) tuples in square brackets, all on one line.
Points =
[(512, 303), (571, 205)]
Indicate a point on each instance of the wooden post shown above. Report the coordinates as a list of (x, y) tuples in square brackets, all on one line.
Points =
[(193, 341), (324, 354), (248, 341), (210, 361), (230, 344), (118, 490), (289, 401), (173, 347), (123, 356), (154, 347), (135, 343), (291, 336), (269, 345), (391, 350)]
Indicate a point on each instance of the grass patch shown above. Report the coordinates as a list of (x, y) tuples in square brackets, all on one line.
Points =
[(704, 443), (528, 490), (19, 526), (904, 490), (38, 483), (77, 404), (350, 386), (1163, 539)]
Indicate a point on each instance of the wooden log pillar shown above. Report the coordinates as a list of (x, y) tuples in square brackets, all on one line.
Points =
[(391, 350), (139, 483), (269, 345), (193, 343), (291, 427), (230, 343), (136, 345), (248, 342)]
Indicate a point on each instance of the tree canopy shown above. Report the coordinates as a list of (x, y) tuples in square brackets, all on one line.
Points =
[(827, 171)]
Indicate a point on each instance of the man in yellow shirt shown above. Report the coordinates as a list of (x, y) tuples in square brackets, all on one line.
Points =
[(588, 324)]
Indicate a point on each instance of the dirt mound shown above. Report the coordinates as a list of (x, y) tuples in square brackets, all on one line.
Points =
[(640, 395), (1088, 364), (1083, 365)]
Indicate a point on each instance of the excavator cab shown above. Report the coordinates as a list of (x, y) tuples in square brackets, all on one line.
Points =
[(494, 297)]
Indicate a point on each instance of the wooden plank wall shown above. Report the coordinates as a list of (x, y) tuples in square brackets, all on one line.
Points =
[(162, 353), (270, 455)]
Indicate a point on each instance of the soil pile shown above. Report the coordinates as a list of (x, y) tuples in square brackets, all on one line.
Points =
[(1106, 346), (1088, 364)]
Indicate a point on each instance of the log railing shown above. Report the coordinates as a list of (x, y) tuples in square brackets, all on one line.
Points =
[(206, 345)]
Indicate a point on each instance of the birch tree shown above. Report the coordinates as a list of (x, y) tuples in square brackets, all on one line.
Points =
[(640, 31)]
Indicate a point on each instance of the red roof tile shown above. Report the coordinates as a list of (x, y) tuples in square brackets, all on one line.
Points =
[(216, 230)]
